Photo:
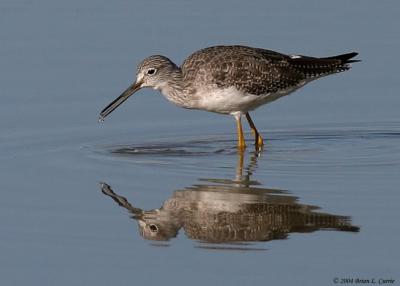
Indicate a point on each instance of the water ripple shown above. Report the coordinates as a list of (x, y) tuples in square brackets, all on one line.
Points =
[(288, 151)]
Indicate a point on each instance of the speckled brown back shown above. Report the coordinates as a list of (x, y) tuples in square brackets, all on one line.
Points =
[(256, 71)]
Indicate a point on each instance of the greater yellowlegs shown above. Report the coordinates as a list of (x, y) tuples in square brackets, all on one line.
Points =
[(222, 213), (230, 80)]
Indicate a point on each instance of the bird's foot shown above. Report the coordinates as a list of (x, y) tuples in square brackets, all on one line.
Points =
[(259, 141)]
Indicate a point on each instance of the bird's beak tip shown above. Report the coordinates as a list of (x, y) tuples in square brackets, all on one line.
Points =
[(101, 119), (119, 100)]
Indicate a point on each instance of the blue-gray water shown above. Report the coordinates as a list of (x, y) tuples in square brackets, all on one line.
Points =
[(332, 148)]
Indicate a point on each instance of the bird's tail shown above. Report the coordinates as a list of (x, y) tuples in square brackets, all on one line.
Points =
[(317, 67), (344, 58)]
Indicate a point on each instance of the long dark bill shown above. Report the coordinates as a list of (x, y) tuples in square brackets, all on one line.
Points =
[(119, 100)]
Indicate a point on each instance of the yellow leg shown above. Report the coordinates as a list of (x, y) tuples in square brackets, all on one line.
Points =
[(257, 137), (241, 141)]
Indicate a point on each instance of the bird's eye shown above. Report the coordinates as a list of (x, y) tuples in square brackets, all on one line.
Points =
[(151, 71), (153, 228)]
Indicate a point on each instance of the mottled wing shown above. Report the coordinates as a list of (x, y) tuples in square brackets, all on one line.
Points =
[(258, 71), (254, 71)]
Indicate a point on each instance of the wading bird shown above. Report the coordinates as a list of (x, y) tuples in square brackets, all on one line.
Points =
[(230, 80)]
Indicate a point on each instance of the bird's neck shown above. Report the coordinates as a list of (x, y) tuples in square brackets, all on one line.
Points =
[(173, 88)]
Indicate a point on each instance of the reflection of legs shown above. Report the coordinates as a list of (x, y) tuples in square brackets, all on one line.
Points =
[(257, 137), (241, 143), (239, 166), (244, 173)]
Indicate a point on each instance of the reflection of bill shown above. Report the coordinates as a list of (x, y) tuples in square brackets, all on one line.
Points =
[(230, 211)]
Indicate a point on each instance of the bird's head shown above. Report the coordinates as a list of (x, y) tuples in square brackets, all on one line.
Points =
[(153, 72)]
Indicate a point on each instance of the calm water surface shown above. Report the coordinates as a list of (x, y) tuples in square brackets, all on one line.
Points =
[(158, 194)]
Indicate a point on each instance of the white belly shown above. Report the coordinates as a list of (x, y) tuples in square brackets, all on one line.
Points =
[(231, 100)]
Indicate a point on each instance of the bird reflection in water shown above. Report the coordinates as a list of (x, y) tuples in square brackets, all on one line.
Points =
[(238, 211)]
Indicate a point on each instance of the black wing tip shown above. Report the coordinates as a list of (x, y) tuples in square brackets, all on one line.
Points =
[(346, 58)]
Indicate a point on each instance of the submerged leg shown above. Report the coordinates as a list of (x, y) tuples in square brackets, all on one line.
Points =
[(258, 139), (241, 143)]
